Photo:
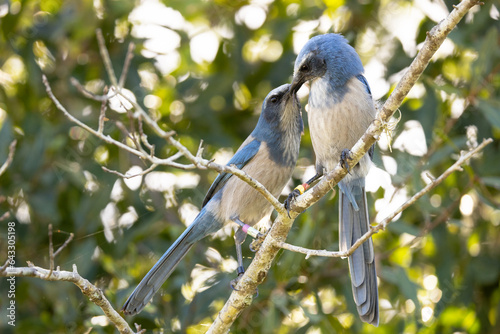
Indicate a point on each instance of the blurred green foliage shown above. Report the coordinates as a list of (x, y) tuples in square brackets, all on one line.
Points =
[(439, 264)]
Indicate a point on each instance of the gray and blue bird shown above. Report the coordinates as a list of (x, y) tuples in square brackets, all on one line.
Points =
[(269, 155), (340, 110)]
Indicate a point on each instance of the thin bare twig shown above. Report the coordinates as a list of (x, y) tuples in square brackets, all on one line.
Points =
[(139, 329), (133, 133), (79, 87), (52, 254), (126, 65), (51, 251), (444, 216), (107, 60), (66, 243), (199, 153), (124, 131), (4, 267), (84, 126), (10, 157), (88, 289), (5, 215), (102, 114), (127, 176), (144, 137), (175, 156)]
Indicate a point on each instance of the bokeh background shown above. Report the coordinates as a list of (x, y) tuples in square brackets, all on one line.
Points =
[(202, 68)]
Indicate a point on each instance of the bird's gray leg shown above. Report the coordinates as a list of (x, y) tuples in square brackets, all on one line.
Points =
[(239, 239)]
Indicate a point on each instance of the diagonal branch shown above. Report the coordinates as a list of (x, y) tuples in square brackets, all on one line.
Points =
[(257, 271), (126, 65), (105, 57), (10, 157), (93, 293), (130, 176)]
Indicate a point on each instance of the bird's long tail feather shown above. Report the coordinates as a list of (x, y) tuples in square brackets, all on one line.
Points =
[(353, 224), (203, 225)]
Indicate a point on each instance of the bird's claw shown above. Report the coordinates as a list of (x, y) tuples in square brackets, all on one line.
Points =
[(234, 283), (291, 197), (257, 242), (344, 156)]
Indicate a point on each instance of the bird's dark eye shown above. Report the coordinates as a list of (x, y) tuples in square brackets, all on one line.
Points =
[(274, 99), (304, 68)]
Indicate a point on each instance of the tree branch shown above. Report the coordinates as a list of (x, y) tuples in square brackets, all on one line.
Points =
[(383, 224), (130, 176), (126, 65), (105, 57), (93, 293), (10, 157), (197, 160), (241, 297)]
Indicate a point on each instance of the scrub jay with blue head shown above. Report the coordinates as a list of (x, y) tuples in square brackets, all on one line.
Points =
[(269, 155), (340, 110)]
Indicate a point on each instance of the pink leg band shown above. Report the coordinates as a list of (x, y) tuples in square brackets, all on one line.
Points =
[(245, 228)]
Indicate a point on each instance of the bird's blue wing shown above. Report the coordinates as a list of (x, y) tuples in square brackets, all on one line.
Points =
[(363, 80), (240, 159), (367, 86)]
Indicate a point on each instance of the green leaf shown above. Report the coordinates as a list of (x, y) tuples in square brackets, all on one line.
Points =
[(490, 110)]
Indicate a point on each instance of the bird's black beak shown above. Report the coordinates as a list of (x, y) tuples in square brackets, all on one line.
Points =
[(297, 82)]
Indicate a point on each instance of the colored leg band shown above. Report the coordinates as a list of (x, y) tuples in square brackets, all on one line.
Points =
[(302, 188), (240, 270), (247, 228), (250, 230)]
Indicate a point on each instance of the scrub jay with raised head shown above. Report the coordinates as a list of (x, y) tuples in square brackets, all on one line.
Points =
[(269, 155), (340, 110)]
